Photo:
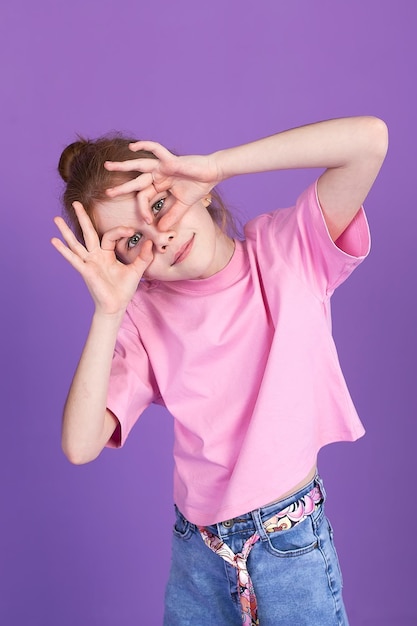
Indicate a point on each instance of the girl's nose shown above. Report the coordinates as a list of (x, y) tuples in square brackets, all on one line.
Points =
[(162, 240)]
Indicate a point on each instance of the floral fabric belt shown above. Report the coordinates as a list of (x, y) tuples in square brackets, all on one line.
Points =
[(283, 520)]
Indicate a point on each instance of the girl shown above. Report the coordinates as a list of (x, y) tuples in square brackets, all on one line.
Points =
[(234, 338)]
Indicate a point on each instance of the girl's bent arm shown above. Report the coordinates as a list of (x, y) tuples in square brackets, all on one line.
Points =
[(87, 424), (351, 149)]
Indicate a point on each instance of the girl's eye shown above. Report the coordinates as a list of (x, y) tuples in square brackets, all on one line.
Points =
[(134, 240), (158, 206)]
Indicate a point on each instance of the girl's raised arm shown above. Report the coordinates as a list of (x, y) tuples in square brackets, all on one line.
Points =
[(351, 149)]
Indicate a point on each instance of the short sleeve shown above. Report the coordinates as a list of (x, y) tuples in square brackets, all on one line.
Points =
[(132, 386), (299, 237)]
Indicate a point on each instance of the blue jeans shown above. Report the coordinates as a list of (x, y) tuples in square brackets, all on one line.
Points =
[(295, 572)]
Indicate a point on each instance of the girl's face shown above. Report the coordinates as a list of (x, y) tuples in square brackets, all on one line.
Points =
[(193, 248)]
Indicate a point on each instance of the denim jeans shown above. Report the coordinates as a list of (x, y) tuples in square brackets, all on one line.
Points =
[(295, 572)]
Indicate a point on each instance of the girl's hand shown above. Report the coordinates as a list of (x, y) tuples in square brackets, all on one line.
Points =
[(188, 178), (110, 282)]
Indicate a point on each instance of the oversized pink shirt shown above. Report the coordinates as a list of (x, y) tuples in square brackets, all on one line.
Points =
[(245, 362)]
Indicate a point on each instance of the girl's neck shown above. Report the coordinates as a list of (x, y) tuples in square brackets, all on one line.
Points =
[(224, 250)]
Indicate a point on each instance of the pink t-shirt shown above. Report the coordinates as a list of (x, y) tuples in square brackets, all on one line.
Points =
[(245, 362)]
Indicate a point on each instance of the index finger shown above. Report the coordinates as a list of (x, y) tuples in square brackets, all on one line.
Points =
[(111, 237), (131, 165)]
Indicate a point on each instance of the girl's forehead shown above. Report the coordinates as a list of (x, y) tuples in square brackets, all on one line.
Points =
[(122, 211)]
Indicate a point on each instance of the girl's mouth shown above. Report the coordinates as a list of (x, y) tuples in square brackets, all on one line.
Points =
[(183, 252)]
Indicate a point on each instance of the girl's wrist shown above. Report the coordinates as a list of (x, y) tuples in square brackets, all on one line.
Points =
[(110, 319), (219, 165)]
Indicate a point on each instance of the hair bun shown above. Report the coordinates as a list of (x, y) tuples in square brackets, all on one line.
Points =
[(66, 160)]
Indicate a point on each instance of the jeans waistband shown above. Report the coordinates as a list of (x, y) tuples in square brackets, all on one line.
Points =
[(250, 522)]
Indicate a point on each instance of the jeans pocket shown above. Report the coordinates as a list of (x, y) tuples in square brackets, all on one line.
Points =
[(298, 540), (182, 527)]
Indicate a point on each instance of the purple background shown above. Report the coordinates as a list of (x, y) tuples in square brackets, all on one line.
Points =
[(196, 76)]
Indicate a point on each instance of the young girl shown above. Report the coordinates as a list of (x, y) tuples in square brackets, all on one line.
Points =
[(234, 338)]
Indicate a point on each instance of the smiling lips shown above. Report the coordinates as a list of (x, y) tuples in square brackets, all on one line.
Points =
[(183, 252)]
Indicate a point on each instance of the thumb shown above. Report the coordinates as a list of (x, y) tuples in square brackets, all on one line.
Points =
[(144, 258), (175, 213)]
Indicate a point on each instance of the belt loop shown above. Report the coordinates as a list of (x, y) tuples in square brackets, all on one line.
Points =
[(256, 516), (221, 530)]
